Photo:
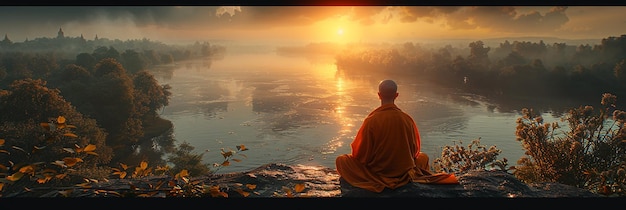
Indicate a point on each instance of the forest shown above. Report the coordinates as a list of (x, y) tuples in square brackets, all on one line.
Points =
[(103, 88)]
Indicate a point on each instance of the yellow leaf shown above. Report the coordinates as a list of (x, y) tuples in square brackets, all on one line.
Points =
[(70, 135), (242, 148), (299, 187), (92, 153), (1, 142), (124, 166), (122, 174), (27, 169), (60, 176), (4, 151), (43, 180), (70, 126), (65, 193), (70, 150), (1, 185), (245, 156), (251, 186), (144, 165), (61, 120), (39, 148), (3, 168), (184, 172), (226, 163), (16, 176), (70, 161), (90, 148), (243, 193), (236, 160), (115, 193), (215, 192)]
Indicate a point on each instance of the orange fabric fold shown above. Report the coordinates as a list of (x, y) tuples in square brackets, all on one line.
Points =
[(386, 153)]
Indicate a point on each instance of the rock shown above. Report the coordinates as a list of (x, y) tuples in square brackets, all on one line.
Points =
[(300, 181), (275, 180)]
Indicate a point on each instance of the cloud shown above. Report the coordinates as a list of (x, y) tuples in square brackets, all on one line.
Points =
[(507, 19), (424, 13), (230, 10), (365, 15)]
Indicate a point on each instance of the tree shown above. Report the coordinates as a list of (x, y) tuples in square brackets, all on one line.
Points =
[(620, 71), (25, 105), (149, 94), (184, 158), (75, 83), (103, 52), (42, 65), (479, 55), (133, 61), (114, 108), (86, 60)]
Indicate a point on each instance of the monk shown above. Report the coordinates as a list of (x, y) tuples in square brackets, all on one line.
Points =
[(386, 149)]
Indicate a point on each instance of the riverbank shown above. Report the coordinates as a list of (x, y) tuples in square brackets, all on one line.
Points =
[(155, 126)]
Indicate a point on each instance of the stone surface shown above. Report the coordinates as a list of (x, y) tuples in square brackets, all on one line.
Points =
[(299, 181)]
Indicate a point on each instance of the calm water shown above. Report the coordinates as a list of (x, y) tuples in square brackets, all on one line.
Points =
[(300, 111)]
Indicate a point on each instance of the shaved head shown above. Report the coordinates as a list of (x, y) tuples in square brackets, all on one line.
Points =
[(387, 89)]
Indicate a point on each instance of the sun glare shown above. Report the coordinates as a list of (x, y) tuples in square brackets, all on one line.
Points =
[(340, 32)]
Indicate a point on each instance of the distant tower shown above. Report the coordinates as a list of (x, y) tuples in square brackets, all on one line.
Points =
[(60, 34), (82, 39), (6, 40), (96, 37)]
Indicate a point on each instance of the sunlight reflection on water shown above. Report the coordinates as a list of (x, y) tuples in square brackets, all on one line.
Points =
[(289, 110)]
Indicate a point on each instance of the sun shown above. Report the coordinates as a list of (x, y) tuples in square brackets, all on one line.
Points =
[(340, 31)]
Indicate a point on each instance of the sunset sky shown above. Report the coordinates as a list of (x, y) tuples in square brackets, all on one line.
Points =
[(270, 24)]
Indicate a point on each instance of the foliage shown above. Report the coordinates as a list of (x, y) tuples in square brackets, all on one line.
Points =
[(29, 102), (21, 178), (17, 174), (183, 158), (591, 154), (550, 70), (458, 158)]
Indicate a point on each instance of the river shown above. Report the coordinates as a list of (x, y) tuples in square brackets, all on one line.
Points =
[(295, 110)]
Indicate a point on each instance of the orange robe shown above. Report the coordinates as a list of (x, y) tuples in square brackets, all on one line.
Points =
[(385, 153)]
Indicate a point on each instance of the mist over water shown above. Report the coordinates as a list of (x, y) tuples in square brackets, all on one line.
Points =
[(295, 110)]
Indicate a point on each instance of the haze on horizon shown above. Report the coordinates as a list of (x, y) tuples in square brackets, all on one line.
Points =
[(305, 24)]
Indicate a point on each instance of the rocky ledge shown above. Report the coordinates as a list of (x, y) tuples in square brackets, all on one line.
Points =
[(293, 181), (274, 180)]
